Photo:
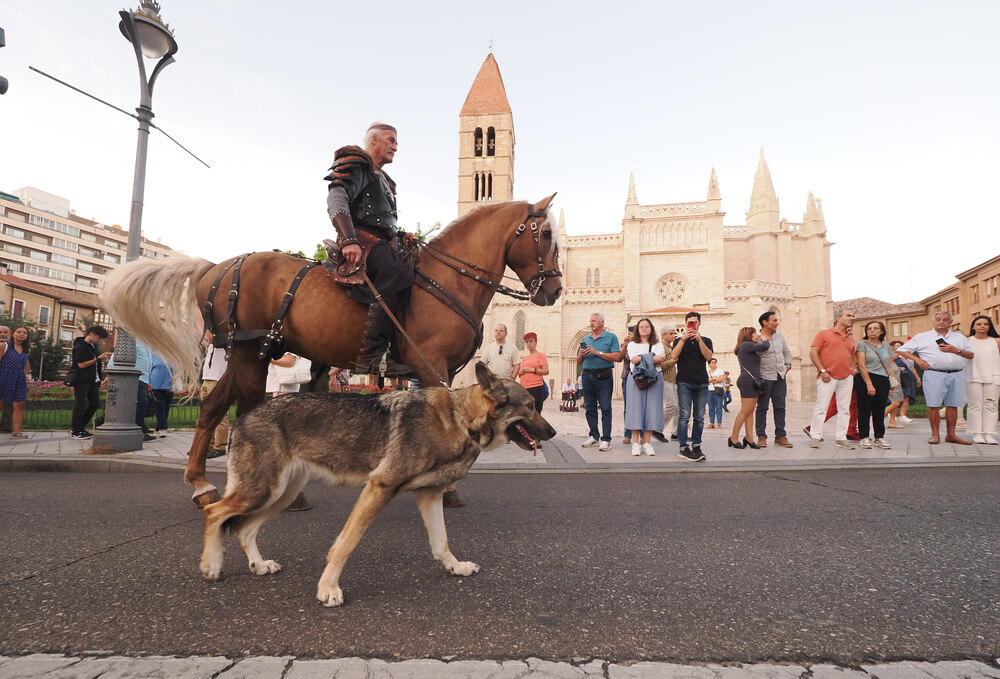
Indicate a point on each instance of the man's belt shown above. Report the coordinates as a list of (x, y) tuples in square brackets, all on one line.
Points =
[(938, 370), (594, 370)]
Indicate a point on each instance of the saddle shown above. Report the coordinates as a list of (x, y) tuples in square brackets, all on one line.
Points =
[(340, 270)]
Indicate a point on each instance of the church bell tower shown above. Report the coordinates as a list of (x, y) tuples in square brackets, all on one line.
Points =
[(485, 141)]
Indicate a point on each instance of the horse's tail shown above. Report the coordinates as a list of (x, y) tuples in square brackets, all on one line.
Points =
[(157, 301)]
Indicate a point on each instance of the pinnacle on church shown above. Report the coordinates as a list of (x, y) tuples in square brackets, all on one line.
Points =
[(487, 94), (713, 188), (562, 219), (812, 210), (763, 198), (631, 200)]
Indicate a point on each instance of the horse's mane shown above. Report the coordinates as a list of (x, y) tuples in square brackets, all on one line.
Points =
[(478, 212)]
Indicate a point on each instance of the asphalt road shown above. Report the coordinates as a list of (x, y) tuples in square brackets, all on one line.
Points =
[(846, 566)]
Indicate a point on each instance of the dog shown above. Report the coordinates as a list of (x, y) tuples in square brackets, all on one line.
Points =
[(417, 441)]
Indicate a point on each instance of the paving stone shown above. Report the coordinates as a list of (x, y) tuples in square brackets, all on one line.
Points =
[(656, 670), (34, 665), (257, 668), (762, 671), (150, 667), (834, 672)]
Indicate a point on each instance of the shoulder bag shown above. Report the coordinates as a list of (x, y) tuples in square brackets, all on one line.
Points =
[(893, 380), (297, 373)]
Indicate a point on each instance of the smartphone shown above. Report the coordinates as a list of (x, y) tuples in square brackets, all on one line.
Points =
[(583, 345), (692, 324), (940, 341)]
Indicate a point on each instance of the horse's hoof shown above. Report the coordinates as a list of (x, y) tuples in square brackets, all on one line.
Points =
[(208, 497)]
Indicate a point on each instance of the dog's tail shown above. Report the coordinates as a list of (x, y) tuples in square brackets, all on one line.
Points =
[(232, 524)]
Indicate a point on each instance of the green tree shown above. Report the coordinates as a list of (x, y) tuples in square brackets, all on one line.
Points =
[(320, 255)]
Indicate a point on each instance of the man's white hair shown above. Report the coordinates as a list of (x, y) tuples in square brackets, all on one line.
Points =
[(942, 313), (371, 134), (599, 315)]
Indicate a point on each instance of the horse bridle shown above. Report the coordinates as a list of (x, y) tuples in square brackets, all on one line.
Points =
[(486, 276)]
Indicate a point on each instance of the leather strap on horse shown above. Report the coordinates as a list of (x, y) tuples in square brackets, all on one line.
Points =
[(274, 334), (385, 307), (208, 312)]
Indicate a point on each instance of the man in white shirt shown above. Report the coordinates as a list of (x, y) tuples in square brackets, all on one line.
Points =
[(942, 355), (212, 371), (502, 358)]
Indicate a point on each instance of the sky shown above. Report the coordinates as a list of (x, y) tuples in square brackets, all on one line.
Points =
[(887, 111)]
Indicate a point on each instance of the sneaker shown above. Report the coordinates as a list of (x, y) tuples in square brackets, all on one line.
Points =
[(636, 449), (81, 435), (806, 431), (590, 442), (648, 449), (627, 440), (814, 443), (148, 437), (978, 438), (688, 456), (882, 443), (990, 440), (904, 419), (658, 435), (698, 454), (854, 437), (866, 443), (214, 453), (844, 443), (605, 446)]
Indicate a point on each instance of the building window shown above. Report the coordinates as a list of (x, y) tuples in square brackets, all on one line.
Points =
[(589, 278), (62, 259), (519, 330), (112, 244), (901, 329), (69, 317), (597, 278), (974, 291), (114, 259), (478, 141), (18, 308), (491, 142), (489, 186), (14, 233), (89, 237), (66, 336), (43, 314), (38, 254), (13, 249)]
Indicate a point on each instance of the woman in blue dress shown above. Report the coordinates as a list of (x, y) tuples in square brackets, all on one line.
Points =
[(13, 376)]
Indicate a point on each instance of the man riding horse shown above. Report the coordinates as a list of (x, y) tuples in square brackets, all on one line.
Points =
[(362, 197)]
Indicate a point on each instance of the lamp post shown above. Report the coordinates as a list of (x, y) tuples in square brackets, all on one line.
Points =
[(151, 38)]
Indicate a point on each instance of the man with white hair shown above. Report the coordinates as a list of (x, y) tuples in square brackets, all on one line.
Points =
[(942, 355), (362, 198), (598, 353)]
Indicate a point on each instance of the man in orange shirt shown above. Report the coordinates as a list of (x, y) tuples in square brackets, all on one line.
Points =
[(832, 352)]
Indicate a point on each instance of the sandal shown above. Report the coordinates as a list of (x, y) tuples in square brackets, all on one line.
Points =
[(19, 436)]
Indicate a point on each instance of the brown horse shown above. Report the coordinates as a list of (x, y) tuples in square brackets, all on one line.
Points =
[(161, 302)]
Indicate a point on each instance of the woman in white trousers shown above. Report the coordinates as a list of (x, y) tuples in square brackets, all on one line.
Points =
[(982, 383)]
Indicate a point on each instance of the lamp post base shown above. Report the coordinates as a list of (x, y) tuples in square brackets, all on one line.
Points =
[(119, 431)]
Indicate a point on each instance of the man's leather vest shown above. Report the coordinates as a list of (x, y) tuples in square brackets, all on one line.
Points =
[(370, 191)]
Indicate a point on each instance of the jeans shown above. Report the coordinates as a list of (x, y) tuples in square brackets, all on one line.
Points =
[(628, 432), (776, 393), (597, 393), (87, 398), (691, 398), (715, 406), (142, 400), (164, 399)]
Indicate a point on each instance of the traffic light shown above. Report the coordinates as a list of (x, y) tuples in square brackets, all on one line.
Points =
[(3, 81)]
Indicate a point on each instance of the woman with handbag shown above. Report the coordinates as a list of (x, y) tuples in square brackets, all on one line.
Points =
[(287, 374), (748, 350), (872, 384), (644, 399), (716, 394)]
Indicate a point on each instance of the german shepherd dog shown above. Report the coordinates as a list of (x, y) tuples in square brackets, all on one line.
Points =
[(418, 441)]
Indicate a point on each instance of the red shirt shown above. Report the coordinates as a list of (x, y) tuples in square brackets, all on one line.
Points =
[(535, 360), (836, 353)]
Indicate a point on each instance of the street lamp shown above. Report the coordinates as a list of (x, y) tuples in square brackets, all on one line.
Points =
[(151, 38)]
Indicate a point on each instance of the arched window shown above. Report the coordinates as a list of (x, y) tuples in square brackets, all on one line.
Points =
[(478, 140), (476, 178), (489, 186), (597, 278), (589, 281), (519, 330), (491, 142)]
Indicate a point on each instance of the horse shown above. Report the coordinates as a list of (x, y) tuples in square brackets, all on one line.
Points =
[(163, 303)]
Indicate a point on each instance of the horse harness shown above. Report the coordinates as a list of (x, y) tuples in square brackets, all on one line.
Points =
[(273, 345)]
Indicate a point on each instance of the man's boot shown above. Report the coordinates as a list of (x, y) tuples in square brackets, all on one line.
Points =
[(375, 343)]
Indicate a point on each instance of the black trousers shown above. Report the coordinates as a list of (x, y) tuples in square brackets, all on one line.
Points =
[(87, 398), (871, 409), (538, 393)]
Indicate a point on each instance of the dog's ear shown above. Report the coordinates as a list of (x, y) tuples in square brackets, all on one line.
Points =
[(491, 384)]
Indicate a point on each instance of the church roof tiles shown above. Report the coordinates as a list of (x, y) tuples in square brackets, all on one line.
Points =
[(487, 94)]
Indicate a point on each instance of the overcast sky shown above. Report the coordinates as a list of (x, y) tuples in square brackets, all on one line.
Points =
[(886, 110)]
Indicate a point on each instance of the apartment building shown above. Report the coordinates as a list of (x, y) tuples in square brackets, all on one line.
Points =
[(43, 241)]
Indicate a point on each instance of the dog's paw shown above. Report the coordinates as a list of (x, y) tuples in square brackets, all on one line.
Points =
[(265, 567), (330, 596), (464, 568), (211, 569)]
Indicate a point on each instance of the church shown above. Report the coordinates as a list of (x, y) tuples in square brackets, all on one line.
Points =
[(666, 260)]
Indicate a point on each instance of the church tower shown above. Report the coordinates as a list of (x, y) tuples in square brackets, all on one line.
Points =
[(485, 141)]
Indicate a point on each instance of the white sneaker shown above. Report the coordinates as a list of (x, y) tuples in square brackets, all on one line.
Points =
[(636, 449), (990, 440), (815, 443), (904, 419), (605, 446), (590, 442), (865, 443), (883, 444), (845, 444), (978, 438), (648, 449)]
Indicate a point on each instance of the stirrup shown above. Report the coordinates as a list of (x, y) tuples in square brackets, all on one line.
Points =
[(381, 365)]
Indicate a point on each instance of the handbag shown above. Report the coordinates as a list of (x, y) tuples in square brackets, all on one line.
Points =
[(893, 380), (644, 380), (72, 375), (720, 391), (297, 373)]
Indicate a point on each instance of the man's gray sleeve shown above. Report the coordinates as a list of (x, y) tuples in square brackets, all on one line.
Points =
[(336, 201), (786, 351)]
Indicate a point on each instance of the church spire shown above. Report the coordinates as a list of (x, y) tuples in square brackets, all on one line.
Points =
[(763, 213), (631, 202), (487, 94), (713, 187)]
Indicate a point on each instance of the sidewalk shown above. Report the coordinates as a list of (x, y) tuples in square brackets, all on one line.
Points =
[(56, 451)]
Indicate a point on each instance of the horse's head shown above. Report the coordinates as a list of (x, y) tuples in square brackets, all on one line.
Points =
[(533, 254)]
